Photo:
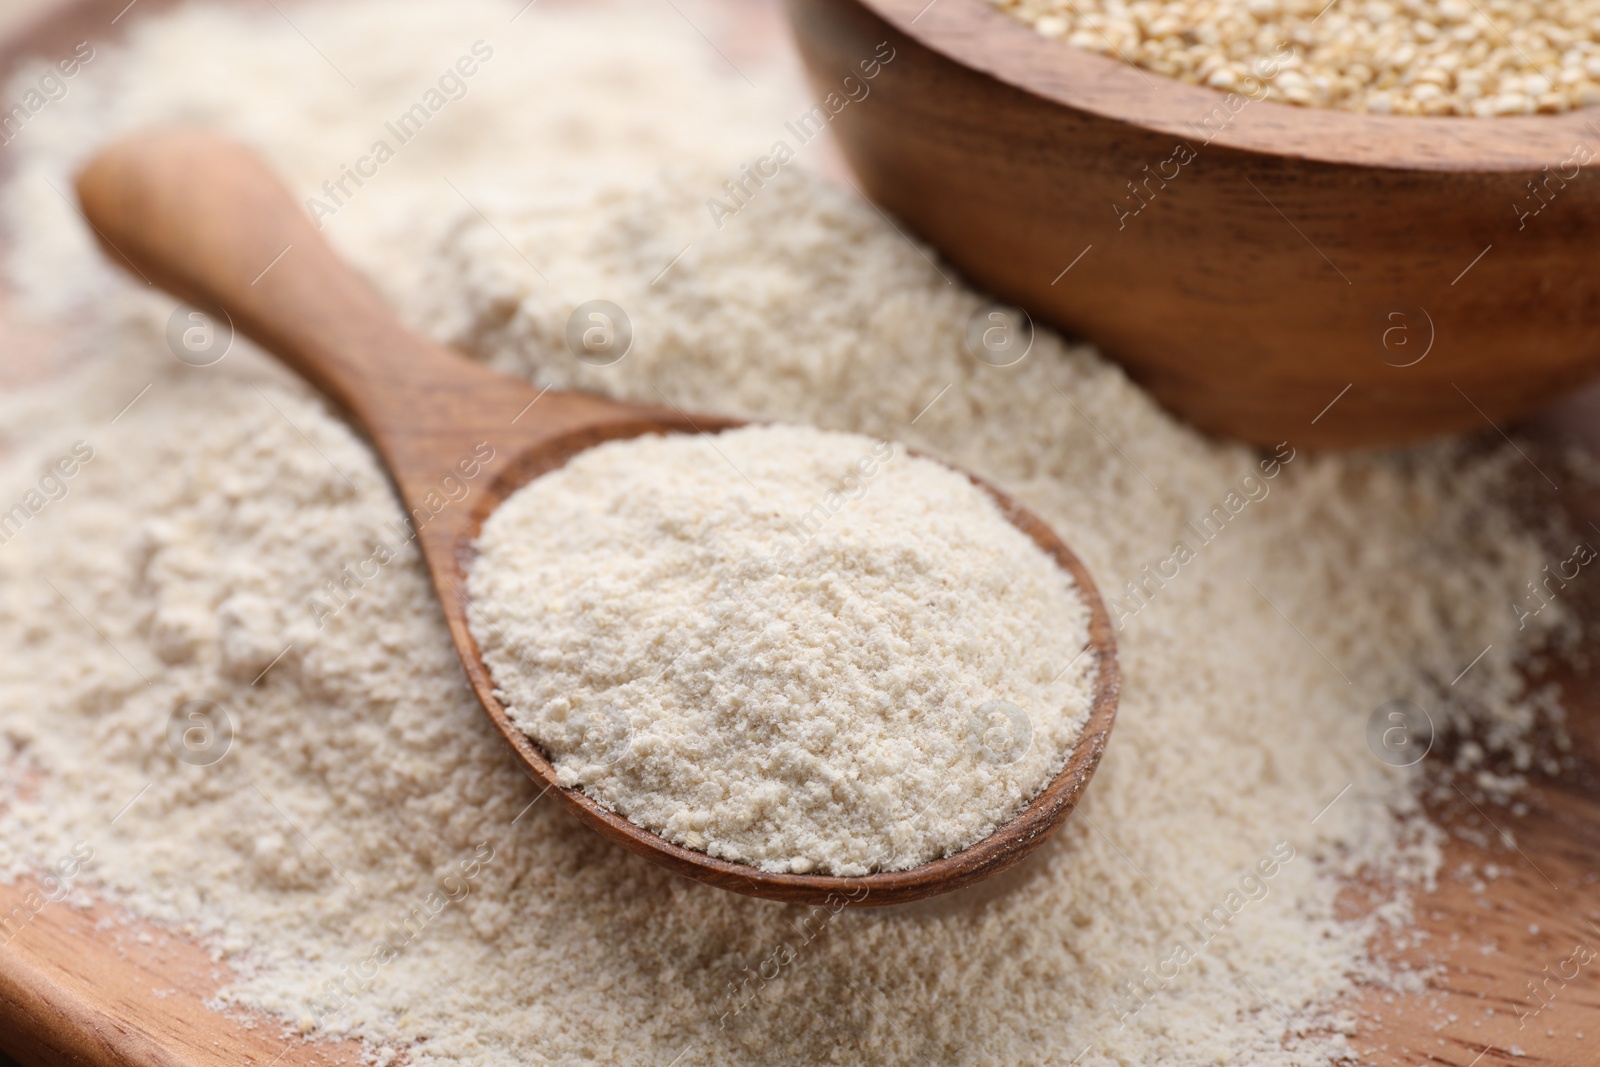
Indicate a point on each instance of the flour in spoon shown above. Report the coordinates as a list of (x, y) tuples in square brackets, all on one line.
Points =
[(802, 650)]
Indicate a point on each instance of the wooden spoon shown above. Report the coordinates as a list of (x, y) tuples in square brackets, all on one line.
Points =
[(206, 220)]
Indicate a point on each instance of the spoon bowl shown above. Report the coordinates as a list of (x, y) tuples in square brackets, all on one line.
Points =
[(205, 219)]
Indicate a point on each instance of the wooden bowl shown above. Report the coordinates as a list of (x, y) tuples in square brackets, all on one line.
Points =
[(1268, 272)]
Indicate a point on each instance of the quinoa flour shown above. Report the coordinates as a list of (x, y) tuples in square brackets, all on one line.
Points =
[(694, 636), (362, 777)]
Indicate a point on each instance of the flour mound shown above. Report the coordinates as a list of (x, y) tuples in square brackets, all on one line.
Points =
[(784, 647)]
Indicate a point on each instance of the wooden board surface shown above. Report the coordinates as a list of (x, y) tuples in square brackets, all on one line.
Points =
[(96, 987)]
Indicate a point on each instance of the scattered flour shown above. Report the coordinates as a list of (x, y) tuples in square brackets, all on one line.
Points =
[(362, 774), (792, 648)]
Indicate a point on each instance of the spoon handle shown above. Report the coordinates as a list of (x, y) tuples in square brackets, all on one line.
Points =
[(206, 219)]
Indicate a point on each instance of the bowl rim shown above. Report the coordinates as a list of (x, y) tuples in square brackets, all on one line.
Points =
[(977, 35)]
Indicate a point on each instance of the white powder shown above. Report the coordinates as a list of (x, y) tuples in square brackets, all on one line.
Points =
[(783, 647), (362, 771)]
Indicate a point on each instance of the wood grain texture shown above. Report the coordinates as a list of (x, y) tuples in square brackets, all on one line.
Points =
[(1245, 263), (94, 986), (1506, 983)]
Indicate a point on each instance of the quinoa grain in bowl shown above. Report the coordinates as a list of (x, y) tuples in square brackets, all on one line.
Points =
[(1401, 57)]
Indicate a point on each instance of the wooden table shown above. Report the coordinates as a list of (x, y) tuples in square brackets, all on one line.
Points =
[(74, 990)]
